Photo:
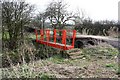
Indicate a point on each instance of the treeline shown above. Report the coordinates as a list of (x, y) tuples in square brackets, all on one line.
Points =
[(59, 17), (104, 28)]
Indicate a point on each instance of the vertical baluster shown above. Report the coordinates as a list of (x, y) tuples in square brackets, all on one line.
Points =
[(64, 37), (41, 35), (48, 35), (73, 37), (54, 36)]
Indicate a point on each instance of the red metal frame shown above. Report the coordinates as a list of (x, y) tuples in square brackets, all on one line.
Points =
[(54, 43)]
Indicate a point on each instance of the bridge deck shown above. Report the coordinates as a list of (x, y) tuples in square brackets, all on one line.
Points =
[(57, 45)]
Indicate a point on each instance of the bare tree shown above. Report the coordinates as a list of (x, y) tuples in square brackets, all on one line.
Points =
[(57, 14), (39, 20), (79, 17), (15, 15)]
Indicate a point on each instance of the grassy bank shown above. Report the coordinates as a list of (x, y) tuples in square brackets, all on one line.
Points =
[(95, 61)]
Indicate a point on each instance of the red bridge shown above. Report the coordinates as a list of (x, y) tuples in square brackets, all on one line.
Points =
[(46, 37)]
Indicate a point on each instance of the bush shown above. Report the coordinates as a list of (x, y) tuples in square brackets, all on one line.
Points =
[(28, 51)]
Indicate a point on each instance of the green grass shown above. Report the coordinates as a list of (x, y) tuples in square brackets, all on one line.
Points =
[(110, 65), (6, 35), (33, 36), (113, 66), (58, 59), (46, 77), (108, 52)]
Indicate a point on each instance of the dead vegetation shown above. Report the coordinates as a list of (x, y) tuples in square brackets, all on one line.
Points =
[(91, 62)]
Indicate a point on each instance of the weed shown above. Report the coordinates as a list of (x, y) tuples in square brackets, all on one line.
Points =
[(58, 59), (109, 65)]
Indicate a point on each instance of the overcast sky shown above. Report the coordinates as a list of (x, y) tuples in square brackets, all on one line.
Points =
[(95, 9)]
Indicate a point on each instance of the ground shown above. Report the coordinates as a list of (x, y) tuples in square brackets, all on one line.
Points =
[(94, 61)]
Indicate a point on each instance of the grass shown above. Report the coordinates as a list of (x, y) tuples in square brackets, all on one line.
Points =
[(58, 59), (113, 66), (89, 60), (24, 71), (33, 36), (0, 35), (6, 35), (45, 76), (97, 51), (109, 65)]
